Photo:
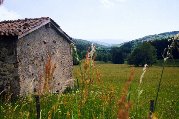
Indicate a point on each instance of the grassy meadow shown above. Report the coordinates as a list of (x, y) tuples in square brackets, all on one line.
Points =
[(114, 76), (99, 93)]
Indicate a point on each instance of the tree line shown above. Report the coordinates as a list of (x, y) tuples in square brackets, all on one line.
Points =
[(133, 53)]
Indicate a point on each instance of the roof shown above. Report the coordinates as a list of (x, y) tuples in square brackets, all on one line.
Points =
[(22, 27)]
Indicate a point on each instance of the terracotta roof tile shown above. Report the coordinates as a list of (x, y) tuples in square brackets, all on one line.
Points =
[(20, 26)]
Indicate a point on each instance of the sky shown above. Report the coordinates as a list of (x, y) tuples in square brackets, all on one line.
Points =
[(108, 21)]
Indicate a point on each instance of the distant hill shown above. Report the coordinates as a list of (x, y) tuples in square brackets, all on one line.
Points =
[(104, 51), (132, 44), (83, 45), (127, 47), (157, 36)]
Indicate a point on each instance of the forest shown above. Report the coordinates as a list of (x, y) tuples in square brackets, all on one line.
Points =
[(124, 53)]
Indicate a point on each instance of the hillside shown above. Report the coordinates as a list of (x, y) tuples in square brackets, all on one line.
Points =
[(104, 52), (132, 44), (157, 36), (159, 41), (84, 45)]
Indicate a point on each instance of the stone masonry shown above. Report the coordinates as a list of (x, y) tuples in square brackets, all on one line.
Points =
[(23, 57), (9, 79)]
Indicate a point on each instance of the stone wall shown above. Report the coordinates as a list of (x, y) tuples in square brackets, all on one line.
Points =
[(9, 80), (32, 51)]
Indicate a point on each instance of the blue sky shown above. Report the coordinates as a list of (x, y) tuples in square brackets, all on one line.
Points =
[(110, 21)]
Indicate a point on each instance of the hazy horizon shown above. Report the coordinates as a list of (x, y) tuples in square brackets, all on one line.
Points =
[(116, 41)]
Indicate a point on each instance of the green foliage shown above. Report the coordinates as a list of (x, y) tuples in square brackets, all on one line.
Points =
[(143, 54), (102, 102), (159, 41), (75, 56), (103, 54), (117, 55), (161, 44), (126, 49), (83, 46), (75, 61)]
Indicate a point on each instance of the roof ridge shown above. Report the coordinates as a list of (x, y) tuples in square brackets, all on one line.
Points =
[(24, 19), (22, 27)]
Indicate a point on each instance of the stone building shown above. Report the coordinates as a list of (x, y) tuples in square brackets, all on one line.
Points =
[(25, 46)]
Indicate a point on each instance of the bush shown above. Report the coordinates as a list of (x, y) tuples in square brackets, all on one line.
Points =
[(143, 54), (117, 55)]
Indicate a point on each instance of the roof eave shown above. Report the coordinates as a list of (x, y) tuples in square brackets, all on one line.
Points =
[(61, 31)]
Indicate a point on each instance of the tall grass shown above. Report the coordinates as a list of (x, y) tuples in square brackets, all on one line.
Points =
[(167, 53), (124, 102), (103, 98), (102, 91)]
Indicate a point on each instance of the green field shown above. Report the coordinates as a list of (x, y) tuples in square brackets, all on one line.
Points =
[(99, 99), (168, 103)]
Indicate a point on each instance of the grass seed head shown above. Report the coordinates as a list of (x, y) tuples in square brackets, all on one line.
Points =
[(124, 104)]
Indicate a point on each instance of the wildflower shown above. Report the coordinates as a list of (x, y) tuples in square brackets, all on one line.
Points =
[(167, 53), (90, 57), (90, 54), (165, 59), (145, 66), (144, 70), (93, 50)]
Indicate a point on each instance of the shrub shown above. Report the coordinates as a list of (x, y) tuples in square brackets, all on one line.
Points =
[(143, 54), (117, 55)]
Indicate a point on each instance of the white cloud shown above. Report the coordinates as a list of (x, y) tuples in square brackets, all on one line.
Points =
[(6, 14), (107, 3), (110, 3)]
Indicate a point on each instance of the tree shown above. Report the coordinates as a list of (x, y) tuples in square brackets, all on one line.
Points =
[(117, 55), (126, 49), (160, 45), (143, 54)]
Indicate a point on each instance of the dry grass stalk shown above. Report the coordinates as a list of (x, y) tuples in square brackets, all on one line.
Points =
[(124, 104), (88, 67), (167, 53), (88, 75)]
